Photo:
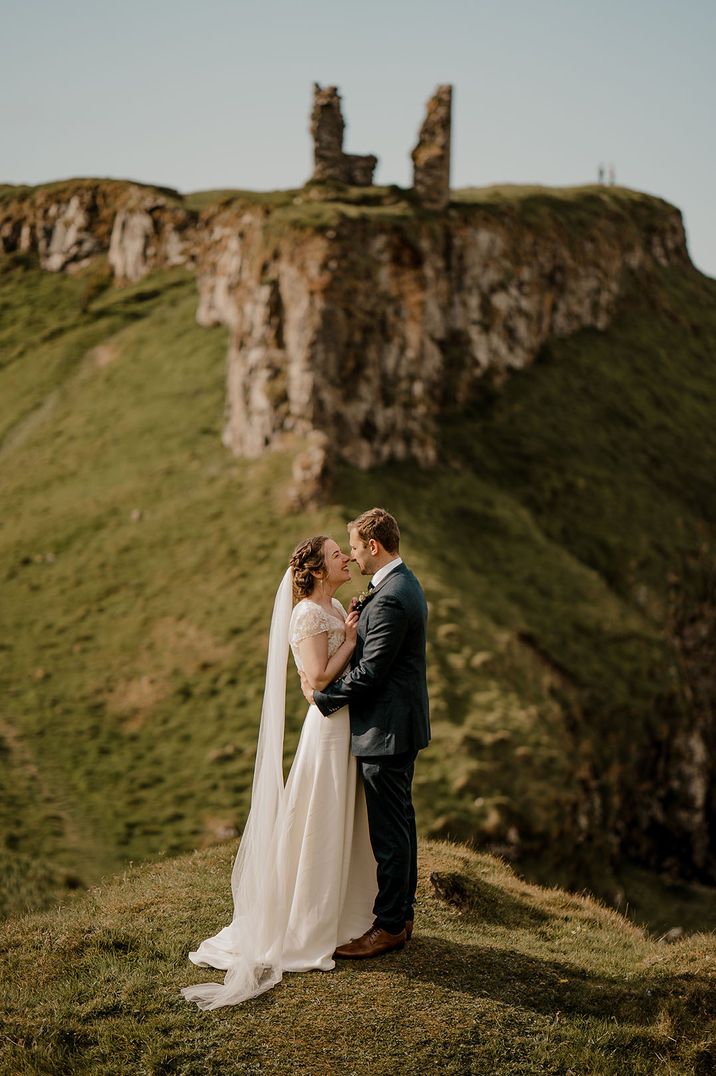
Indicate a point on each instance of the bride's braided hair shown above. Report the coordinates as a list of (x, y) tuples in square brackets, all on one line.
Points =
[(307, 562)]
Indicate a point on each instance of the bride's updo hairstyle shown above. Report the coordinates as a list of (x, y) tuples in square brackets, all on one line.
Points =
[(307, 564)]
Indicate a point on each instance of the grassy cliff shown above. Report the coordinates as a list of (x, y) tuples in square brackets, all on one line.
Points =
[(500, 977), (565, 543)]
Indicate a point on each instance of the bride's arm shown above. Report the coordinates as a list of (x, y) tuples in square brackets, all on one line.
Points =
[(321, 670)]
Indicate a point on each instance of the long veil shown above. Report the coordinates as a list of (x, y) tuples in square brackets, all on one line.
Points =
[(250, 947)]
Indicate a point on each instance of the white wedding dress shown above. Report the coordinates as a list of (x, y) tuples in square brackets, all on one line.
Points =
[(304, 878)]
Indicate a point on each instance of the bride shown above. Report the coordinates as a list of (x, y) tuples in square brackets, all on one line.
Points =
[(304, 878)]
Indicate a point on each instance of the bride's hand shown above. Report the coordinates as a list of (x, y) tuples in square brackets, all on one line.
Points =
[(351, 626), (306, 687)]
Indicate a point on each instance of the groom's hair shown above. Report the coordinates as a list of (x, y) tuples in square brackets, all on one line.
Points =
[(379, 525)]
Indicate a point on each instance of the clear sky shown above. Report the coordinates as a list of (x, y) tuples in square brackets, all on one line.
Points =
[(217, 94)]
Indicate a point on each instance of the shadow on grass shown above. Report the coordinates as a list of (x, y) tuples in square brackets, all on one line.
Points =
[(486, 901), (545, 986)]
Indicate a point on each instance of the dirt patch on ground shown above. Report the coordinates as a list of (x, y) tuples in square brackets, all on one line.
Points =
[(104, 354), (173, 647), (134, 699), (180, 644)]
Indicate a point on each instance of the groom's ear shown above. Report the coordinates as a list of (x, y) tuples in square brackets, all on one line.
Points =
[(374, 547)]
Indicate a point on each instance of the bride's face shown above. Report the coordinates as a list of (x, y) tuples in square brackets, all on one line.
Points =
[(337, 570)]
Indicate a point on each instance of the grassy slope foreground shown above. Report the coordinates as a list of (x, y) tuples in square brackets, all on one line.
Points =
[(500, 977), (139, 562)]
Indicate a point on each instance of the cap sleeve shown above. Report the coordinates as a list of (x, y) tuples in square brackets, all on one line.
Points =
[(307, 619)]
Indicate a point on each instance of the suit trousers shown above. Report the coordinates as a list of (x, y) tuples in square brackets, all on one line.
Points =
[(387, 780)]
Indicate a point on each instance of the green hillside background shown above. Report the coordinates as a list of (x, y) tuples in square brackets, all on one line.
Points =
[(565, 542)]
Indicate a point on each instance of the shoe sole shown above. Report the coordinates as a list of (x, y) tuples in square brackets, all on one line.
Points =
[(368, 956)]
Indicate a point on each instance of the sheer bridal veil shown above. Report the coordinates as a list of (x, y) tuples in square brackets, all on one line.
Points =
[(250, 947)]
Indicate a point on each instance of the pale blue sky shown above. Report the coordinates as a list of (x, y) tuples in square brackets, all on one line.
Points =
[(217, 94)]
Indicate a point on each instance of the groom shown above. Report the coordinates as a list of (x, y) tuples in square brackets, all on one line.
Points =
[(386, 691)]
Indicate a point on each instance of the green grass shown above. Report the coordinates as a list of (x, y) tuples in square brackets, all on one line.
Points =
[(568, 527), (619, 214), (199, 200), (561, 199), (126, 663), (65, 188), (504, 977), (566, 211)]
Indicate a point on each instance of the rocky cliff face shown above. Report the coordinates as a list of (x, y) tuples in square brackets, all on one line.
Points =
[(367, 330), (363, 322), (66, 224)]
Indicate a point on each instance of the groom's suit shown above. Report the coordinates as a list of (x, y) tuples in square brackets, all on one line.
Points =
[(387, 695)]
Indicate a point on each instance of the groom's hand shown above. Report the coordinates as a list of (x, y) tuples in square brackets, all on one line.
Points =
[(306, 688)]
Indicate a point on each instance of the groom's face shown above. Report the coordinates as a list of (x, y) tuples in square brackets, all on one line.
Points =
[(361, 553)]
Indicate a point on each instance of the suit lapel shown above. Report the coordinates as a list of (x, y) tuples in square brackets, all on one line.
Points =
[(355, 657), (401, 568)]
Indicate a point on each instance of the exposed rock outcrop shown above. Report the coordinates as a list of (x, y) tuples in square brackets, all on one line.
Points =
[(365, 329), (64, 231), (150, 236), (431, 156), (368, 331), (692, 751), (66, 224), (311, 474)]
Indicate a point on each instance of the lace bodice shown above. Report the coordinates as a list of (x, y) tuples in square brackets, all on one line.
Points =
[(308, 619)]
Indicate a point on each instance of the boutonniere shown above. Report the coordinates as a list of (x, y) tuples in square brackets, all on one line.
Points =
[(358, 603)]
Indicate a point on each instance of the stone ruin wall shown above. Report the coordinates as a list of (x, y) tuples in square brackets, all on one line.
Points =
[(431, 156), (331, 164)]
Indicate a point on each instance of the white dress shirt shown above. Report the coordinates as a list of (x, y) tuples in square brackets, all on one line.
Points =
[(382, 572)]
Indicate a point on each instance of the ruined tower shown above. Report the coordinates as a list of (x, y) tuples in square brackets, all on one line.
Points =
[(331, 164), (431, 156)]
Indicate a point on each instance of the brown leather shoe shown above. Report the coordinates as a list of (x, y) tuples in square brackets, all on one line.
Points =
[(408, 929), (373, 943)]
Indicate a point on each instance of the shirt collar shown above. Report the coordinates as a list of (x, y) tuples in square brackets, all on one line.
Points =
[(382, 572)]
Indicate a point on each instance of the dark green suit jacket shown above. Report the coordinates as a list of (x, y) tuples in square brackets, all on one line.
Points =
[(386, 689)]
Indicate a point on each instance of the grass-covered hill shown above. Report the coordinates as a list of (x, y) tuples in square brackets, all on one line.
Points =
[(500, 977), (565, 543)]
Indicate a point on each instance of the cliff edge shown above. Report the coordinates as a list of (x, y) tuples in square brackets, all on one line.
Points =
[(355, 313)]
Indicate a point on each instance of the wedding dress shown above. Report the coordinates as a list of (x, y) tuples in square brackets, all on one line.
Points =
[(304, 877)]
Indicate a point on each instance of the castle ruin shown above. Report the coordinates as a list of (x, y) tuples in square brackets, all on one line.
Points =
[(431, 156), (331, 164)]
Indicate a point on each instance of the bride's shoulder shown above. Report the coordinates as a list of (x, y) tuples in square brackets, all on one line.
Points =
[(303, 608), (306, 610), (307, 619)]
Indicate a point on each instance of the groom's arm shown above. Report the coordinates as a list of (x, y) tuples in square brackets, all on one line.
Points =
[(388, 626)]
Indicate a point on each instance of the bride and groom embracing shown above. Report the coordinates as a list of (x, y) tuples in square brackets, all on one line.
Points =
[(327, 865)]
